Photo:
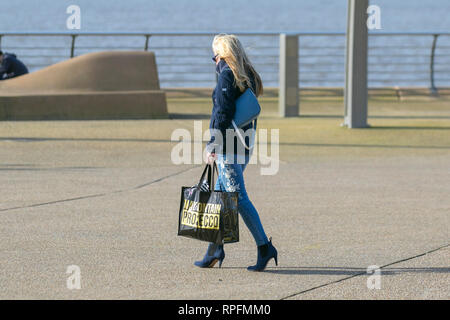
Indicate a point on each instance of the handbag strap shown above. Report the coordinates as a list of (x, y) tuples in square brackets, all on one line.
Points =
[(240, 135)]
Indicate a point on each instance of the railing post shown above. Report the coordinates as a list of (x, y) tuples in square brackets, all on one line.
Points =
[(72, 47), (1, 41), (288, 97), (147, 38), (433, 88)]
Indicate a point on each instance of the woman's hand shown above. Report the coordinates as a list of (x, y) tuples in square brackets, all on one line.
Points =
[(210, 157)]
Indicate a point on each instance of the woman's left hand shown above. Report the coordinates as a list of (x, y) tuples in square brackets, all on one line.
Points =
[(210, 157)]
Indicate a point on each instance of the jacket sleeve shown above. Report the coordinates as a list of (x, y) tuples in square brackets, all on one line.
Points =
[(4, 67), (226, 103)]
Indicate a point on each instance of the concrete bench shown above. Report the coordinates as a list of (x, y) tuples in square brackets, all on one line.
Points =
[(101, 85)]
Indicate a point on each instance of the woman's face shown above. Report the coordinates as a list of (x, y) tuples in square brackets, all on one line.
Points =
[(216, 58)]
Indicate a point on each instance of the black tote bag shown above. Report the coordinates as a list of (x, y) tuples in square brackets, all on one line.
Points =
[(208, 215)]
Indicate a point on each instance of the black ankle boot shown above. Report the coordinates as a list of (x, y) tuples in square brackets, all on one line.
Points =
[(214, 253), (265, 253)]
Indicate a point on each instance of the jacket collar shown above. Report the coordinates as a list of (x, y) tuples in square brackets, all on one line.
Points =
[(221, 66)]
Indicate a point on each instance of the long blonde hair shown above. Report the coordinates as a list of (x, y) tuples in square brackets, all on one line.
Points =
[(229, 48)]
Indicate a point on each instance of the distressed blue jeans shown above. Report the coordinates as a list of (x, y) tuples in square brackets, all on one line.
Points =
[(231, 179)]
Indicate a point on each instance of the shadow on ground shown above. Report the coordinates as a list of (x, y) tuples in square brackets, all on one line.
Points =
[(345, 271)]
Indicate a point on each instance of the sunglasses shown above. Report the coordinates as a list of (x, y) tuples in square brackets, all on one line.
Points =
[(215, 58)]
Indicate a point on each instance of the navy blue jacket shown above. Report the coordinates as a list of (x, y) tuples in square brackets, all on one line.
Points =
[(11, 67), (224, 99)]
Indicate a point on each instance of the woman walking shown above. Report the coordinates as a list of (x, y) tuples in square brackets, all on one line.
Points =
[(235, 75)]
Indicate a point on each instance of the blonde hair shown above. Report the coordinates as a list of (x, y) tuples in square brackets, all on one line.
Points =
[(229, 48)]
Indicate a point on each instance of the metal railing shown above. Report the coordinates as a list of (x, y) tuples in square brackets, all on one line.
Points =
[(417, 59)]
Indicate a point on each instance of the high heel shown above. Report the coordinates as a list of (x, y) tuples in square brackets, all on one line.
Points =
[(214, 254), (265, 253)]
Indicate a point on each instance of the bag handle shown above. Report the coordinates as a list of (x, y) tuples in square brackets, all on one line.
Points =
[(213, 182), (202, 177), (209, 169), (241, 137)]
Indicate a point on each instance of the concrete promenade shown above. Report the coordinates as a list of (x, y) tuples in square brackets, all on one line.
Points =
[(104, 196)]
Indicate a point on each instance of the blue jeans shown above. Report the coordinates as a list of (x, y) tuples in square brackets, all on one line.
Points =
[(231, 179)]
